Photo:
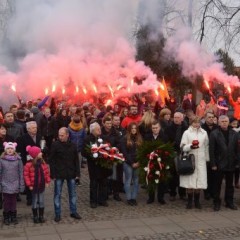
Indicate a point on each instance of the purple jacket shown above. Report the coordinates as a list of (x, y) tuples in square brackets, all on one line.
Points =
[(11, 174)]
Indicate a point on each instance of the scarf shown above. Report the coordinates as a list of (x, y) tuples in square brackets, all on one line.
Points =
[(75, 126), (39, 180)]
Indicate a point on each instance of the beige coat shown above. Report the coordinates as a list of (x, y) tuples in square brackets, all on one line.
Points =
[(198, 180)]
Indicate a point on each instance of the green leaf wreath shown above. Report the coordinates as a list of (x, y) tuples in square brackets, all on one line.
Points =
[(156, 163)]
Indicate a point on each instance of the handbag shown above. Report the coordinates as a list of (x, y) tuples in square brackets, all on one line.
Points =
[(185, 163)]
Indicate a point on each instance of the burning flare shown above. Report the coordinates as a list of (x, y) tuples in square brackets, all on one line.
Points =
[(207, 84), (13, 87), (84, 90), (161, 86), (94, 88), (46, 91), (229, 89), (53, 88)]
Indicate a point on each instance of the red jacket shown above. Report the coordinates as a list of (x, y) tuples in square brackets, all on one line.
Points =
[(29, 173), (127, 120), (236, 107)]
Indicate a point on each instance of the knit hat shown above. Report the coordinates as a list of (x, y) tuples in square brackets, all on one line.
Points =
[(10, 145), (33, 151)]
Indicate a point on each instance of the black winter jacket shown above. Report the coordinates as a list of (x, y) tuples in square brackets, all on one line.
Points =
[(63, 159), (222, 155)]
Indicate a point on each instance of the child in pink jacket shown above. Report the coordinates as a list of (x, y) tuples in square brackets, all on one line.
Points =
[(37, 177)]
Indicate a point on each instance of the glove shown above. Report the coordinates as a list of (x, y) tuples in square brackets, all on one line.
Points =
[(194, 146)]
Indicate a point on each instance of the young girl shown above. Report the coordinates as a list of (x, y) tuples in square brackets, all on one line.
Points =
[(11, 181), (36, 176)]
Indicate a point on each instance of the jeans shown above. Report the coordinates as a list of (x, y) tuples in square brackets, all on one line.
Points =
[(131, 176), (58, 183), (38, 200)]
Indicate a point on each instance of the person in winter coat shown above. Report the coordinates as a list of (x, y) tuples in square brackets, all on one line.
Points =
[(224, 158), (77, 134), (157, 134), (48, 127), (236, 106), (97, 174), (3, 138), (129, 145), (132, 117), (64, 165), (174, 134), (11, 181), (195, 141), (62, 119), (31, 138), (36, 176)]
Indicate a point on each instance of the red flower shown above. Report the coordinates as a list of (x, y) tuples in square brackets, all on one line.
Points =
[(150, 176), (151, 165), (166, 153)]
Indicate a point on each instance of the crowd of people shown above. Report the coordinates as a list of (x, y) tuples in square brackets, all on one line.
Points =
[(41, 141)]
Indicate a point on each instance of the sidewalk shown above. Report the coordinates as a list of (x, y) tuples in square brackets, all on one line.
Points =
[(120, 221)]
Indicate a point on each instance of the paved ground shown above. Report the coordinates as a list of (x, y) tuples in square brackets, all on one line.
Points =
[(120, 221)]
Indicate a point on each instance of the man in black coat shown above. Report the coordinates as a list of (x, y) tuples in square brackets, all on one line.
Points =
[(157, 135), (13, 129), (97, 174), (64, 165), (174, 133), (112, 136), (30, 138), (189, 103), (209, 126), (224, 157)]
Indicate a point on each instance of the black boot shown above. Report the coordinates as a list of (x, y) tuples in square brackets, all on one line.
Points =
[(1, 201), (190, 198), (196, 200), (151, 196), (35, 215), (14, 217), (41, 214), (6, 218)]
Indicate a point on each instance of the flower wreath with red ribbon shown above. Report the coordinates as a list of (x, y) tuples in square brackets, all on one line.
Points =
[(105, 155), (155, 167), (156, 161)]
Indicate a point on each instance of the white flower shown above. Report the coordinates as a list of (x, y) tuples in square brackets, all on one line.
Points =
[(145, 169), (94, 145), (167, 167), (156, 180), (95, 155), (100, 140), (107, 148), (159, 159), (157, 172)]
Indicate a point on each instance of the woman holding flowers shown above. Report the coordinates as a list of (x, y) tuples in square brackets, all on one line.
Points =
[(195, 141), (97, 174), (129, 145)]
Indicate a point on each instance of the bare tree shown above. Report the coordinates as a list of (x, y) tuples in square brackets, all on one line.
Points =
[(221, 18)]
